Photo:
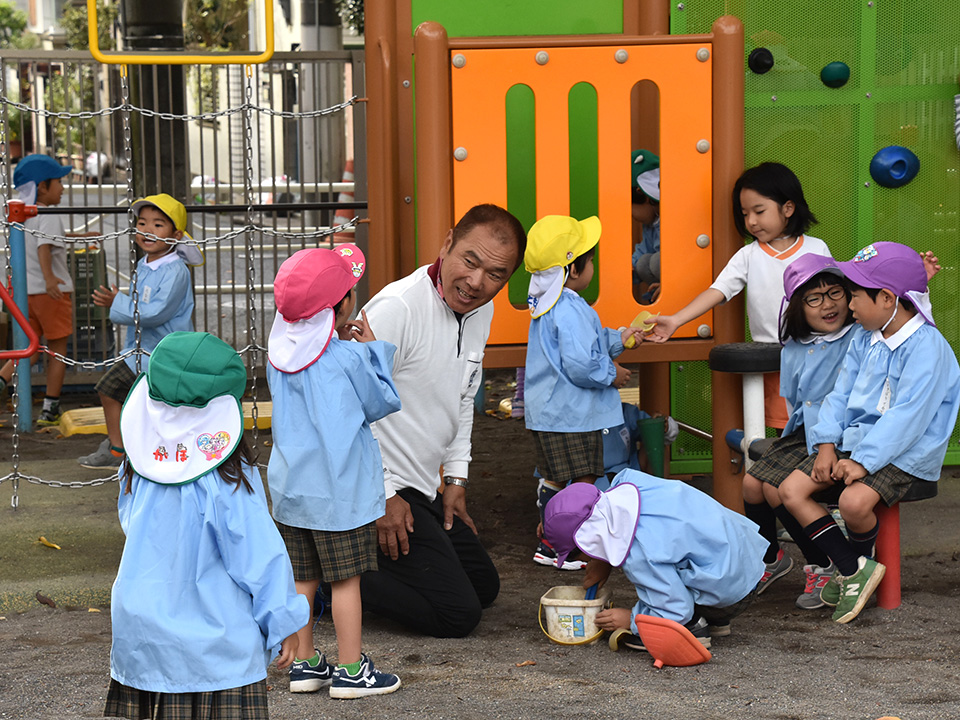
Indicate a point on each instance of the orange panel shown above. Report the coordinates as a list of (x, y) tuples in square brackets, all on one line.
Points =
[(479, 90)]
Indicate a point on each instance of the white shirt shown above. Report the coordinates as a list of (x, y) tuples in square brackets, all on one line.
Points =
[(50, 225), (437, 371), (759, 268)]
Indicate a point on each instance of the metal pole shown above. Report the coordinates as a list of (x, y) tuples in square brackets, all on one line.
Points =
[(18, 265)]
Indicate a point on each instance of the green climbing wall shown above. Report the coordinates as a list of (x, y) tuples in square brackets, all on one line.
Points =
[(904, 60)]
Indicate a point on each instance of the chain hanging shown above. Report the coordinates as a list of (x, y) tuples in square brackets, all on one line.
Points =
[(254, 354), (131, 217)]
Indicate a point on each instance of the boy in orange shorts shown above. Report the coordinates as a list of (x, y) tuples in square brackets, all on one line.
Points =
[(38, 179)]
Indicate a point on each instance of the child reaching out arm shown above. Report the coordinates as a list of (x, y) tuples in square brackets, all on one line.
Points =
[(571, 375)]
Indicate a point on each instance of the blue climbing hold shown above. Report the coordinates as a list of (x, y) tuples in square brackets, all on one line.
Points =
[(894, 166), (835, 74)]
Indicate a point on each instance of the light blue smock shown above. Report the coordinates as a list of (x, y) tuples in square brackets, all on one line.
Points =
[(688, 549), (165, 301), (325, 470), (204, 594), (570, 369), (808, 372), (894, 405)]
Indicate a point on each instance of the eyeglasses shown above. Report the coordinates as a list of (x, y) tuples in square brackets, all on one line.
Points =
[(815, 299)]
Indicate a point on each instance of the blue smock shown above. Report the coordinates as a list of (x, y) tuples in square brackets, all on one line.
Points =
[(325, 470), (688, 549), (204, 594), (895, 402), (165, 294), (808, 372), (570, 369)]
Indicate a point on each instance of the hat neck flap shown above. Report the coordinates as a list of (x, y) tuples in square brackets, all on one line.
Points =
[(609, 531), (296, 345)]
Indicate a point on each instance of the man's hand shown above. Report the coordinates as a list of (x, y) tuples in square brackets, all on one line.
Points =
[(597, 573), (103, 296), (393, 527), (455, 503), (848, 471), (824, 464), (288, 651), (613, 619)]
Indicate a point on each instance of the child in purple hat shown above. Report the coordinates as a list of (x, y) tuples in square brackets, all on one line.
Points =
[(815, 329), (691, 560), (885, 425)]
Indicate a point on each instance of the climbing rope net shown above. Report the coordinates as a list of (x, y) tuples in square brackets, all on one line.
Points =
[(250, 231)]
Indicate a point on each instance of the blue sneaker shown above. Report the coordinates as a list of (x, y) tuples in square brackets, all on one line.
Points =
[(305, 677), (366, 682)]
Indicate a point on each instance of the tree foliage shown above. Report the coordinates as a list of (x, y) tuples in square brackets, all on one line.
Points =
[(352, 13), (216, 24), (74, 25), (13, 27)]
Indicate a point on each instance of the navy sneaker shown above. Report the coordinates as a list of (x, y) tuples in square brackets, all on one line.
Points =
[(305, 677), (366, 682), (700, 630)]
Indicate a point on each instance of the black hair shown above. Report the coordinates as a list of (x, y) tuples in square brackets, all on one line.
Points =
[(502, 223), (793, 322), (641, 198), (872, 293), (230, 470), (778, 183), (580, 262), (336, 308)]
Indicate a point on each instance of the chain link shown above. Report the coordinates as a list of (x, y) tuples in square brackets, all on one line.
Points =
[(131, 217), (58, 484), (252, 345), (127, 108)]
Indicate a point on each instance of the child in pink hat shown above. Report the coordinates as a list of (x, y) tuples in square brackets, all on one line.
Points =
[(325, 471)]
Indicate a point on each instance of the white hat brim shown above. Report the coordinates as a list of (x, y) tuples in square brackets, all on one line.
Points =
[(295, 345), (545, 289), (175, 445)]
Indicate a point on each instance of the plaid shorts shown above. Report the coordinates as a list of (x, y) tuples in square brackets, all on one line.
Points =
[(890, 482), (781, 459), (116, 382), (330, 555), (563, 457), (243, 703)]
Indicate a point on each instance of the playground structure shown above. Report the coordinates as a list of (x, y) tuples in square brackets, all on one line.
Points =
[(825, 124)]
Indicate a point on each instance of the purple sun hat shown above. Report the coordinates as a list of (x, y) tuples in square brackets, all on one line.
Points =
[(805, 268), (565, 513), (894, 267)]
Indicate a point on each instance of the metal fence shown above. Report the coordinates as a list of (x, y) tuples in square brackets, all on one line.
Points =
[(260, 155)]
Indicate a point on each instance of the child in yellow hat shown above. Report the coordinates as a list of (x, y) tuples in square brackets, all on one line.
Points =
[(571, 376), (164, 303)]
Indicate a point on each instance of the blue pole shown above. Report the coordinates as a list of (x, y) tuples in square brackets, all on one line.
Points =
[(18, 265)]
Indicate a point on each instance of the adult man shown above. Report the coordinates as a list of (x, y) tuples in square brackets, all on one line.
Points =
[(434, 575)]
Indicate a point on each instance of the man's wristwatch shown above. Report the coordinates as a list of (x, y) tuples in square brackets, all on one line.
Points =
[(460, 482)]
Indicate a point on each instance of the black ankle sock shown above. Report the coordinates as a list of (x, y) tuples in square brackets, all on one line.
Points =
[(829, 538), (863, 543), (762, 515), (811, 552)]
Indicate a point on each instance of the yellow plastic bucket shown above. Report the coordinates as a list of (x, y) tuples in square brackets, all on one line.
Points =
[(570, 619)]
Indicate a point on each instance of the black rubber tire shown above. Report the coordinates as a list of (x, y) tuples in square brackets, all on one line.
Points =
[(746, 358)]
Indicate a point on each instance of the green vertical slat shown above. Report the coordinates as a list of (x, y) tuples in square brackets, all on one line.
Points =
[(584, 163), (520, 109)]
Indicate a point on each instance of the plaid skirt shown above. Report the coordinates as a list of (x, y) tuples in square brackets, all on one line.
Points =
[(562, 457), (330, 556), (242, 703), (890, 482), (781, 458), (116, 382)]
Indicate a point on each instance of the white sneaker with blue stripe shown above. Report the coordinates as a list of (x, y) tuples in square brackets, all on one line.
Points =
[(367, 681)]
